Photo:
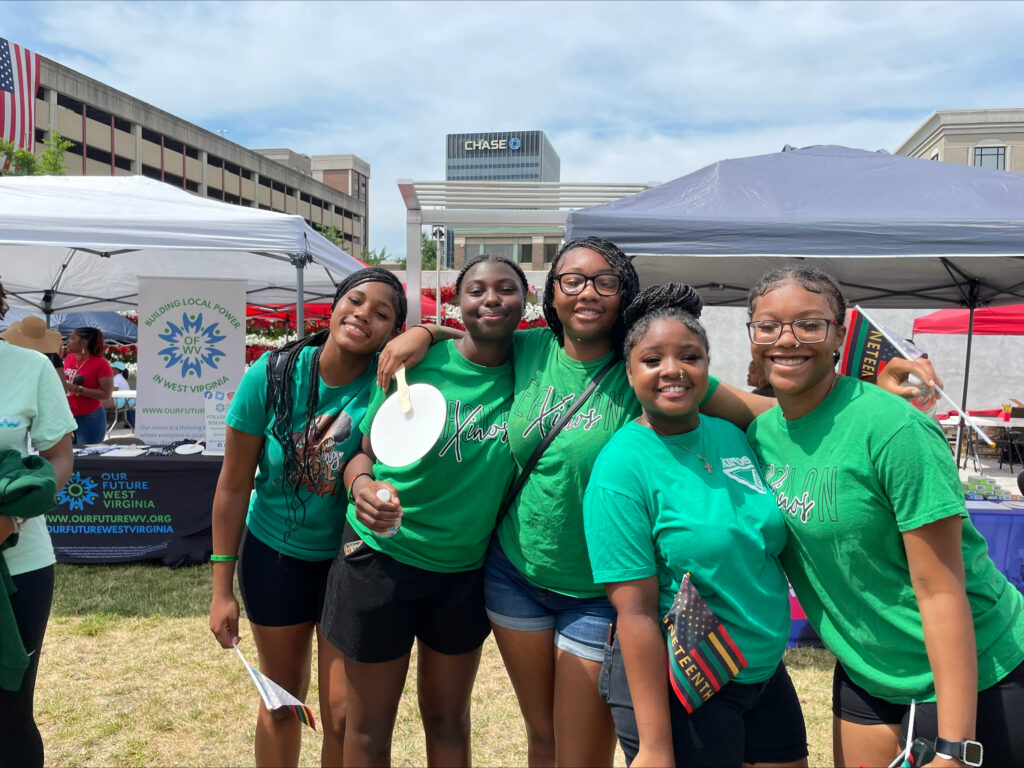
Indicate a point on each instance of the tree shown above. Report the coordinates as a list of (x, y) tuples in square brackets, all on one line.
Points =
[(22, 162), (375, 258), (429, 249)]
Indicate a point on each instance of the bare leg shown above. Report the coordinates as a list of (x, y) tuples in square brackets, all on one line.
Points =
[(333, 701), (584, 731), (870, 745), (530, 660), (284, 654), (374, 691), (445, 689)]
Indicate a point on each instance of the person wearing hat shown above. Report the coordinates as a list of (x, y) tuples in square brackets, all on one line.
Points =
[(32, 405)]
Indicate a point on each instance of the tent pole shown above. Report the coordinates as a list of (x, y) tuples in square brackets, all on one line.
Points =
[(300, 262), (967, 376)]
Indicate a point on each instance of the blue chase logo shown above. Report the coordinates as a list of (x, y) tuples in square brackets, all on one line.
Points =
[(192, 345), (78, 491), (514, 143)]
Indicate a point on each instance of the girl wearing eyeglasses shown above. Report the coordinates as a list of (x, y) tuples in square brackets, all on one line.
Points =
[(881, 553)]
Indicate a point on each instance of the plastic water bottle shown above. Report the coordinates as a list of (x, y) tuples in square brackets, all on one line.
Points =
[(384, 495), (924, 401)]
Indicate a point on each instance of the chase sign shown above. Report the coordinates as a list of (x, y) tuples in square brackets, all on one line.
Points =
[(471, 145)]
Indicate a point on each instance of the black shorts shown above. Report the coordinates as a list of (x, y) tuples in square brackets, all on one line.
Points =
[(376, 606), (741, 723), (1000, 721), (278, 590)]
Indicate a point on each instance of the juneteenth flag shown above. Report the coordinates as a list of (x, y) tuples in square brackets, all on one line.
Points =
[(866, 349), (19, 80), (701, 655), (276, 697)]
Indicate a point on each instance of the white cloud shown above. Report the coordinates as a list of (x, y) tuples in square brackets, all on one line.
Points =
[(626, 91)]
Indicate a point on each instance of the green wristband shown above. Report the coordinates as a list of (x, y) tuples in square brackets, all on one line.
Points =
[(223, 558)]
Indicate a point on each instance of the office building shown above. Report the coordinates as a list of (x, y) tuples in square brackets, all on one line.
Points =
[(113, 134), (989, 138)]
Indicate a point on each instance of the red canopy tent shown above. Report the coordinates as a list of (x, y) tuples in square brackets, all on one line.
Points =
[(988, 321), (320, 310)]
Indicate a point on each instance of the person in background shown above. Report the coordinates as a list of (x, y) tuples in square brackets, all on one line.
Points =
[(32, 405), (121, 384), (293, 425), (881, 553), (88, 382), (758, 382)]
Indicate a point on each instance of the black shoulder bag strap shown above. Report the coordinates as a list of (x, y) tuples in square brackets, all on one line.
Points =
[(520, 481)]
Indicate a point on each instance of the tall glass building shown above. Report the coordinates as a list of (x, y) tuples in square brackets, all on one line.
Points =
[(501, 156)]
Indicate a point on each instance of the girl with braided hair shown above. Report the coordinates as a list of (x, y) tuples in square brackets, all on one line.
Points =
[(291, 430), (695, 505)]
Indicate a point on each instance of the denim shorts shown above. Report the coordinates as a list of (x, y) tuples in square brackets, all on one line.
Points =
[(580, 624)]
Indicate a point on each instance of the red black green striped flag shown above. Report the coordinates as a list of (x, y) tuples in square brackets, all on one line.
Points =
[(701, 655)]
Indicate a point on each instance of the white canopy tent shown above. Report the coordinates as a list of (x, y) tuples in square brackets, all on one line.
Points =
[(80, 243)]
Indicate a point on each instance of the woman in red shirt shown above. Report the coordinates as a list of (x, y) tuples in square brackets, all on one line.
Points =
[(88, 382)]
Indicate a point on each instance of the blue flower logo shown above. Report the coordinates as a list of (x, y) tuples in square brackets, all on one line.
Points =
[(78, 492), (191, 345)]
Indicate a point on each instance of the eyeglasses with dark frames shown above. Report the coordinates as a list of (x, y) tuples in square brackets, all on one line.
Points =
[(574, 283), (807, 330)]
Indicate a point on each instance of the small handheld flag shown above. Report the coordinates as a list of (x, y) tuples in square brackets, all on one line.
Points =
[(276, 697), (701, 655)]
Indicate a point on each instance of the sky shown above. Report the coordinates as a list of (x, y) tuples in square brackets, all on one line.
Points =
[(626, 92)]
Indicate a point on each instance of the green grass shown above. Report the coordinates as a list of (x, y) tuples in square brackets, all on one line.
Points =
[(131, 676)]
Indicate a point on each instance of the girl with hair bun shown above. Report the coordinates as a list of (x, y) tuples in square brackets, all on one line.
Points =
[(694, 504), (292, 427), (89, 381)]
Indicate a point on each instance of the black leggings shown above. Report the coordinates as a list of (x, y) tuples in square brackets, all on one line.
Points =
[(20, 742)]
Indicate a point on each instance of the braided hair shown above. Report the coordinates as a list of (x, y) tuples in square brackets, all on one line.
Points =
[(618, 261), (675, 300), (93, 338), (281, 365), (496, 259), (807, 277), (3, 302)]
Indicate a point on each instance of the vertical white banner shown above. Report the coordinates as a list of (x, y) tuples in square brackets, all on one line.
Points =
[(191, 341)]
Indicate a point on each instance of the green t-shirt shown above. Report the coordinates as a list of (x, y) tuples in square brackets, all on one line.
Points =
[(850, 478), (304, 523), (450, 497), (652, 509), (542, 534)]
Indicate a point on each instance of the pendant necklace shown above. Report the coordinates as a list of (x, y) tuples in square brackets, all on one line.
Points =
[(707, 464)]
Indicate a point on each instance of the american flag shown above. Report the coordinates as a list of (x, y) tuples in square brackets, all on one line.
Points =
[(19, 80)]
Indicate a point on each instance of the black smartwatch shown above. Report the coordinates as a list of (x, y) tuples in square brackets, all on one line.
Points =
[(966, 751)]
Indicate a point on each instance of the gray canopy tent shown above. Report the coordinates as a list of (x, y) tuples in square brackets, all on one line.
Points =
[(895, 231)]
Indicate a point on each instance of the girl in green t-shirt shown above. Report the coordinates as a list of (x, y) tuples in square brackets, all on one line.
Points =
[(881, 553), (422, 581), (290, 431), (676, 494)]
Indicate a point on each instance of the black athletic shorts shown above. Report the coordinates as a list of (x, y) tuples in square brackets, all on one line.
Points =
[(741, 723), (278, 590), (376, 606), (1000, 721)]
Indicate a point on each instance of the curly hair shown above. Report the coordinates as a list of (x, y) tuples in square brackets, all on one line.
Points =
[(618, 261), (497, 260), (280, 397), (676, 300), (807, 277)]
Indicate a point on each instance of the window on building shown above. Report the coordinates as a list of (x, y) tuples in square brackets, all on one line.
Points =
[(990, 157), (525, 253), (550, 251)]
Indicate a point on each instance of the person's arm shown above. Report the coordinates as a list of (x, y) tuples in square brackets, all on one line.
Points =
[(643, 653), (736, 405), (62, 459), (6, 528), (103, 390), (410, 348), (937, 574), (373, 512), (230, 504)]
